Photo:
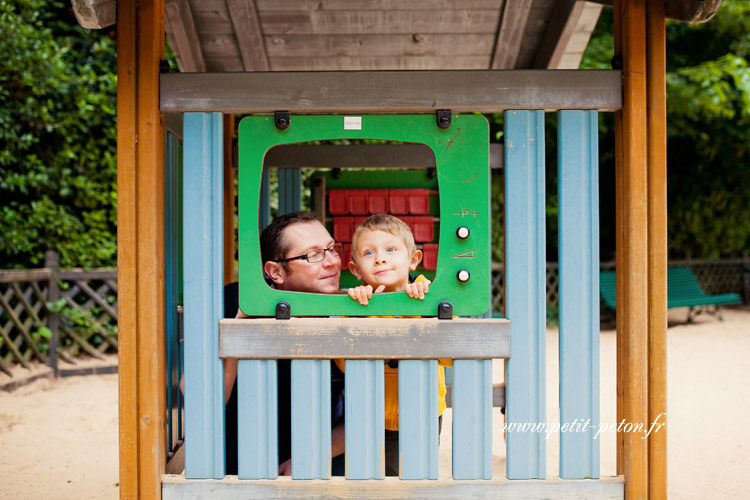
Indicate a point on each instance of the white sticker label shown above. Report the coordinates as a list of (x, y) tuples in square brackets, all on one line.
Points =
[(352, 123)]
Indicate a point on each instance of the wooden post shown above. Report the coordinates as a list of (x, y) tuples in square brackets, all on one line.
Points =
[(229, 206), (632, 246), (657, 247), (52, 262), (140, 258)]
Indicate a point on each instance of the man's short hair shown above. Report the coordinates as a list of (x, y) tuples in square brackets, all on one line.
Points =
[(273, 246), (389, 224)]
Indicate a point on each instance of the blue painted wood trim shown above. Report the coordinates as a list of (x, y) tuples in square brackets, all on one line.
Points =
[(257, 432), (290, 190), (472, 419), (578, 195), (365, 419), (418, 419), (311, 419), (203, 280), (171, 275), (525, 303)]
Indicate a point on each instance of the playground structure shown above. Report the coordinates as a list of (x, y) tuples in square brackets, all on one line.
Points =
[(144, 94)]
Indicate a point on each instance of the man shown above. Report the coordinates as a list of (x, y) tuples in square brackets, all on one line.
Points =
[(298, 254)]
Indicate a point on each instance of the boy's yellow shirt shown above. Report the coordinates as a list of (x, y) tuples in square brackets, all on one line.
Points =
[(390, 385)]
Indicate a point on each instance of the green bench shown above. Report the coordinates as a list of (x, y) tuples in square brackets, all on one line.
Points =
[(683, 290)]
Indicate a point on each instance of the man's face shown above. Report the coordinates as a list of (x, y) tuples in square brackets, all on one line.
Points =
[(302, 276)]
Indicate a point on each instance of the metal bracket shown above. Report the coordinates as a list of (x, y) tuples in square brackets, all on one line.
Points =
[(445, 310), (443, 117), (164, 66), (282, 119), (283, 310)]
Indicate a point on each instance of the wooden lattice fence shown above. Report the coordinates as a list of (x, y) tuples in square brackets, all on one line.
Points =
[(49, 313)]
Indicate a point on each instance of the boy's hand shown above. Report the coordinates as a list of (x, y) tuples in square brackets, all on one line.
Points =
[(418, 289), (363, 292)]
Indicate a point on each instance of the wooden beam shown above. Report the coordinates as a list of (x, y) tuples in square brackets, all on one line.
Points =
[(632, 246), (140, 258), (183, 36), (562, 24), (515, 16), (657, 246), (364, 338), (178, 488), (244, 15), (391, 91), (361, 156)]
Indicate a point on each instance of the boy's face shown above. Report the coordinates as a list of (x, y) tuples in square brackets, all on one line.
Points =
[(381, 258)]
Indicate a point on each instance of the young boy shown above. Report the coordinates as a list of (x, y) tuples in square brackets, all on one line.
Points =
[(383, 253)]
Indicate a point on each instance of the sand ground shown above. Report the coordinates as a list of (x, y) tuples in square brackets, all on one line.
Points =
[(58, 438)]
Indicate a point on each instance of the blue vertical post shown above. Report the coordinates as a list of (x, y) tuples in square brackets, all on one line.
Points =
[(203, 280), (525, 281), (365, 419), (418, 419), (257, 406), (290, 190), (472, 419), (171, 275), (311, 419), (578, 194)]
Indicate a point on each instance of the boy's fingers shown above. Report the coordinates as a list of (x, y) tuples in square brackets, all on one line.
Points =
[(352, 293), (409, 289), (379, 289)]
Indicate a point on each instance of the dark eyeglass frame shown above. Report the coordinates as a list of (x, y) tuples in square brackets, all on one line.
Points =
[(336, 248)]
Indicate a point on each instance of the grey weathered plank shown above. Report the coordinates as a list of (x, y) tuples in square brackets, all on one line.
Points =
[(88, 274), (178, 488), (183, 36), (562, 24), (379, 45), (379, 63), (364, 338), (219, 46), (391, 91), (312, 5), (212, 22), (376, 21), (510, 35), (248, 32), (16, 275), (361, 156)]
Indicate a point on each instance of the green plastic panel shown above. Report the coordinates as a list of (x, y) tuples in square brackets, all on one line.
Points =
[(462, 161)]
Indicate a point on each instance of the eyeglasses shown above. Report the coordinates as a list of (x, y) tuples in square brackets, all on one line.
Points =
[(314, 256)]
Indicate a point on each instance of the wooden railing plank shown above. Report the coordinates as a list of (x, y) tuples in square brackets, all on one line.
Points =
[(364, 338), (178, 488), (418, 419)]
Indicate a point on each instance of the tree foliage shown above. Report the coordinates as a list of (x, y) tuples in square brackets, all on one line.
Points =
[(708, 136), (57, 138)]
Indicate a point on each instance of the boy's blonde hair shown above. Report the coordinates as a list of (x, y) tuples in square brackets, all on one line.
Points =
[(389, 224)]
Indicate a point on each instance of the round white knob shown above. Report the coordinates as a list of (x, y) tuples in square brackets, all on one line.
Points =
[(463, 275), (462, 232)]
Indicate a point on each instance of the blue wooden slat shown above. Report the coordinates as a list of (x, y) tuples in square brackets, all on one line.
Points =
[(257, 404), (578, 194), (203, 275), (365, 419), (290, 190), (311, 419), (472, 419), (171, 275), (525, 291), (418, 419)]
